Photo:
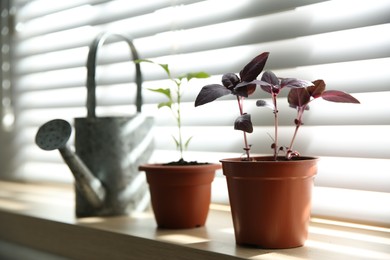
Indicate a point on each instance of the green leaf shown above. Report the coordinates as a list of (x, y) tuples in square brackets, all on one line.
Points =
[(176, 141), (187, 142), (164, 91), (165, 104), (143, 60), (198, 75), (166, 68)]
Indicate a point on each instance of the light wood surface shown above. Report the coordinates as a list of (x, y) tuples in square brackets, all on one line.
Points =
[(42, 217)]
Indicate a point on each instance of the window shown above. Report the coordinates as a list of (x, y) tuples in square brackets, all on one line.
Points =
[(344, 42)]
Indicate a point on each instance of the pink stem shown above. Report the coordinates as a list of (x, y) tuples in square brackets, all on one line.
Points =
[(298, 124), (276, 123), (246, 146)]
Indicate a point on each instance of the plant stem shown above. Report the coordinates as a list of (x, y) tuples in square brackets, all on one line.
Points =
[(246, 146), (179, 118), (295, 134), (276, 123), (298, 123)]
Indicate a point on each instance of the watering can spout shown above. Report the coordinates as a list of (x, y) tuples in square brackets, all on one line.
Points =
[(86, 183), (54, 135)]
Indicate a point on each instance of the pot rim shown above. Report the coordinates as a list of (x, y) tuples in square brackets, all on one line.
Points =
[(181, 168), (159, 174), (267, 168), (268, 159)]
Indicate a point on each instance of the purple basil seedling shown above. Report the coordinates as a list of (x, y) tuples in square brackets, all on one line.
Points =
[(301, 93)]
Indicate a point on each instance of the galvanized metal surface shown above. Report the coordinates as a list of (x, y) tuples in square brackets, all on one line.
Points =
[(113, 148)]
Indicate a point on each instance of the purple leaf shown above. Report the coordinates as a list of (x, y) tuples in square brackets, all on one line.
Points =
[(243, 84), (230, 80), (298, 97), (339, 96), (294, 83), (318, 88), (244, 123), (254, 67), (244, 89), (270, 78), (307, 107), (263, 103), (210, 93), (267, 88)]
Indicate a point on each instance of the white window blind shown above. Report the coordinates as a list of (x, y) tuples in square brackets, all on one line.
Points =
[(344, 42)]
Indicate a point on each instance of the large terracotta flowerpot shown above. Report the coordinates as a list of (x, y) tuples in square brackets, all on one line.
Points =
[(180, 195), (270, 200)]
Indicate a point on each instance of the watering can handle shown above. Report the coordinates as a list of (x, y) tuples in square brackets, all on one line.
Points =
[(91, 72)]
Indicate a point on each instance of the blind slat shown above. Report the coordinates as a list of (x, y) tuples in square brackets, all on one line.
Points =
[(321, 112), (333, 52), (311, 140), (354, 173), (156, 17), (86, 12), (336, 47), (352, 205), (347, 76), (33, 9)]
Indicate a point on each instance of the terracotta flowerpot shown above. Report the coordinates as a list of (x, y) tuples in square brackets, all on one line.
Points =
[(180, 195), (270, 200)]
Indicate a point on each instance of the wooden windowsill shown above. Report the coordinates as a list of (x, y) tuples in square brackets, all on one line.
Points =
[(42, 217)]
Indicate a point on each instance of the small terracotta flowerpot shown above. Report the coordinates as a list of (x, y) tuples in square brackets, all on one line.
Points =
[(180, 195), (270, 200)]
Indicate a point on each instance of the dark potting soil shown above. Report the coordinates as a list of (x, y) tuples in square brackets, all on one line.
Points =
[(182, 162)]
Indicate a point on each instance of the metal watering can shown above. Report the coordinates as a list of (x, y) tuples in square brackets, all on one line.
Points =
[(108, 150)]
